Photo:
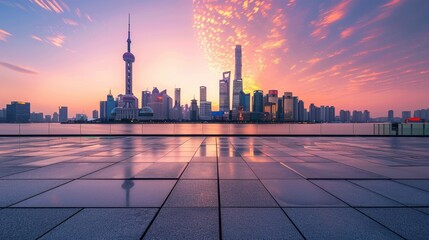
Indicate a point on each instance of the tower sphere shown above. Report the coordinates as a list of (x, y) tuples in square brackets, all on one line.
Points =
[(128, 57)]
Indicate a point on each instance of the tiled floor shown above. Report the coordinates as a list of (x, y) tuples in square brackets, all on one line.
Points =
[(216, 187)]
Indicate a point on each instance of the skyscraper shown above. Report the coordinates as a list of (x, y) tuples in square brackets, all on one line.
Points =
[(288, 106), (258, 101), (63, 116), (295, 109), (177, 97), (145, 98), (203, 94), (224, 93), (301, 113), (405, 115), (55, 117), (238, 62), (18, 112), (205, 110), (237, 87), (194, 110), (95, 114), (390, 116)]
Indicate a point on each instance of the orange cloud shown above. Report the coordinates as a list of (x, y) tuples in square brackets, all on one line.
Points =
[(51, 5), (4, 35), (347, 32), (314, 60), (329, 17), (57, 40)]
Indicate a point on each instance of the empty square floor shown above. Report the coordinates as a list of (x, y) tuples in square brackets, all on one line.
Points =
[(214, 187)]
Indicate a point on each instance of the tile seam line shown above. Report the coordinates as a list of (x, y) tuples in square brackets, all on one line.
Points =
[(171, 191), (65, 220), (296, 227)]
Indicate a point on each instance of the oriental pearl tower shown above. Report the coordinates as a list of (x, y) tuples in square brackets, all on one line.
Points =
[(129, 101)]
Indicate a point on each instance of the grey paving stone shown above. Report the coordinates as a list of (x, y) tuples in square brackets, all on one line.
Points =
[(273, 171), (235, 171), (162, 170), (6, 171), (257, 223), (355, 195), (105, 223), (337, 223), (424, 210), (123, 170), (12, 191), (104, 193), (404, 194), (244, 193), (194, 193), (407, 222), (300, 193), (330, 171), (60, 171), (422, 184), (185, 223), (200, 171), (31, 223)]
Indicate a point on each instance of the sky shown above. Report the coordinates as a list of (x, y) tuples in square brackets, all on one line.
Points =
[(353, 54)]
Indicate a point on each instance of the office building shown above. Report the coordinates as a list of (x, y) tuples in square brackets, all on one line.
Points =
[(238, 62), (146, 98), (295, 109), (36, 117), (405, 115), (205, 110), (63, 114), (95, 114), (55, 117), (224, 92), (288, 102), (203, 94), (390, 116), (18, 112), (301, 113), (258, 101), (237, 87), (48, 118), (194, 112)]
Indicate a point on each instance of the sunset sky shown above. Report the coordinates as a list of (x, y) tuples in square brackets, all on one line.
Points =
[(353, 54)]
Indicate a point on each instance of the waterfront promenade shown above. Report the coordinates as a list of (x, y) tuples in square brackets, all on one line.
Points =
[(214, 187)]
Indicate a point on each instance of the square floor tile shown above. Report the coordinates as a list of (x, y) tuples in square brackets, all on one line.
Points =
[(245, 193), (194, 193)]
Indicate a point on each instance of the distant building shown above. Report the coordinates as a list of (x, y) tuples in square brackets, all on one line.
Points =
[(95, 114), (288, 103), (48, 118), (312, 113), (345, 116), (146, 97), (81, 117), (258, 101), (205, 110), (405, 115), (366, 116), (237, 87), (194, 110), (203, 94), (271, 105), (301, 112), (18, 112), (106, 107), (224, 93), (161, 104), (295, 109), (238, 62), (36, 117), (55, 117), (63, 114), (390, 116), (3, 115)]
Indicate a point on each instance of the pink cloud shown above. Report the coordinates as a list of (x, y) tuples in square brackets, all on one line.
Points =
[(347, 32), (70, 22), (329, 17), (57, 40), (18, 68), (36, 38), (51, 5), (4, 35)]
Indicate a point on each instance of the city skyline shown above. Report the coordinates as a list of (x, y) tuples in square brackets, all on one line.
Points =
[(46, 82)]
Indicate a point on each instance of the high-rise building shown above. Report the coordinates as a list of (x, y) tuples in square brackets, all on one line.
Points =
[(288, 106), (18, 112), (245, 101), (331, 117), (203, 94), (301, 113), (405, 115), (366, 116), (194, 110), (271, 105), (312, 113), (177, 97), (205, 110), (55, 117), (48, 118), (237, 87), (146, 98), (295, 109), (36, 117), (238, 62), (63, 116), (95, 114), (161, 104), (357, 116), (106, 107), (258, 101), (224, 93), (390, 116), (3, 115)]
